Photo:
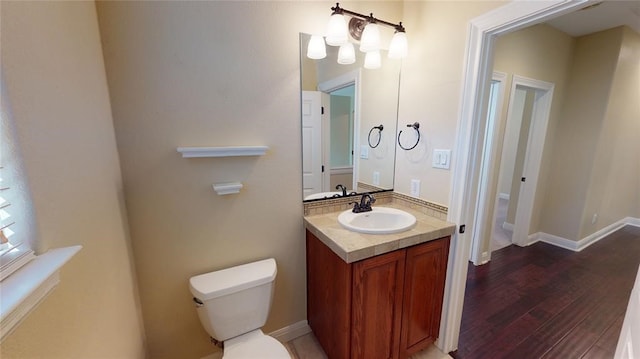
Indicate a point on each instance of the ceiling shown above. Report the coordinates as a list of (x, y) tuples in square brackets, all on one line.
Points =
[(598, 16)]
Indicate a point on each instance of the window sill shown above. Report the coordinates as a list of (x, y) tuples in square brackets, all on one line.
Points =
[(23, 290)]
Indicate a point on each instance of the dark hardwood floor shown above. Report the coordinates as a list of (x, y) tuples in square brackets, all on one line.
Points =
[(547, 302)]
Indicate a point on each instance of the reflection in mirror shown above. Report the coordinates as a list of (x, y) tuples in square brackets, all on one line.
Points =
[(349, 117)]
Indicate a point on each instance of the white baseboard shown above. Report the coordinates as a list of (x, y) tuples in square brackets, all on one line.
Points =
[(633, 221), (554, 240), (585, 242), (503, 196), (292, 331)]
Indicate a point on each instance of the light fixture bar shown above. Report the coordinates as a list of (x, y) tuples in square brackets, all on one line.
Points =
[(338, 10)]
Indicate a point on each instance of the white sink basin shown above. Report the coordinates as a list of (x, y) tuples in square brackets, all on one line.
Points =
[(322, 195), (381, 220)]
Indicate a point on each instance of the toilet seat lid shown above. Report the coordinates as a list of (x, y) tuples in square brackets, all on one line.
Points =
[(256, 346)]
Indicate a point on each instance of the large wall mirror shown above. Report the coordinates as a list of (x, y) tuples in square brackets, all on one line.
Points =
[(349, 116)]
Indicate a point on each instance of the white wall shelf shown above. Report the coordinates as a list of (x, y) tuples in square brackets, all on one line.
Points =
[(231, 151), (227, 188)]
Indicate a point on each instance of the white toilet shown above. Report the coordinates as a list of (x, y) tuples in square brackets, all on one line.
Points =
[(233, 304)]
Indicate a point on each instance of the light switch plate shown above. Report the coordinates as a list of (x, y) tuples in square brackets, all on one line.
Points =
[(441, 159)]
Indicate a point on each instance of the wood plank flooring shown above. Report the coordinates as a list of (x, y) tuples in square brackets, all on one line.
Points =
[(547, 302)]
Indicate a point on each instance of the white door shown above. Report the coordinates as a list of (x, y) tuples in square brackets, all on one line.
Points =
[(311, 142), (533, 155), (325, 99)]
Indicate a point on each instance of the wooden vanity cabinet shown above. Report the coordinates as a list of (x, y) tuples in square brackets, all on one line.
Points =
[(387, 306)]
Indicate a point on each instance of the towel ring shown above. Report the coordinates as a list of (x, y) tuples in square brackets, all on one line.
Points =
[(416, 126), (379, 128)]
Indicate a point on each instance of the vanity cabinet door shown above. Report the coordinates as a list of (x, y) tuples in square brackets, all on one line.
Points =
[(376, 310), (387, 306), (425, 272), (328, 298)]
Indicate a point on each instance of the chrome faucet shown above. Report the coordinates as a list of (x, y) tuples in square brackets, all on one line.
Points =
[(343, 189), (365, 204)]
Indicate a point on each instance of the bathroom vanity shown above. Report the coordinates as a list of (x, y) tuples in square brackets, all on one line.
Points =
[(375, 296)]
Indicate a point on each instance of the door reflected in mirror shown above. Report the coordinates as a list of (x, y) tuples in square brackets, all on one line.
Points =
[(349, 118)]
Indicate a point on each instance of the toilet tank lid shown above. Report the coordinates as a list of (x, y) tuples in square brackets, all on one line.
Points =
[(230, 280)]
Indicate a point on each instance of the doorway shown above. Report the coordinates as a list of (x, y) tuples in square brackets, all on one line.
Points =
[(537, 96), (518, 165), (471, 127), (512, 165), (341, 110), (329, 119), (340, 166)]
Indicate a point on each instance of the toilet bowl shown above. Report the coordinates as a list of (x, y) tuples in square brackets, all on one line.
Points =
[(233, 304)]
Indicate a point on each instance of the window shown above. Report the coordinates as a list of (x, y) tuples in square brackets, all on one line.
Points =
[(25, 279), (15, 222), (14, 252)]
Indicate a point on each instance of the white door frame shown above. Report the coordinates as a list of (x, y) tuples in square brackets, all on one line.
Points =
[(470, 132), (352, 77), (489, 160), (533, 157)]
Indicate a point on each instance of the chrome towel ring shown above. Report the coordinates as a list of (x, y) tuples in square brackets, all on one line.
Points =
[(379, 128), (416, 126)]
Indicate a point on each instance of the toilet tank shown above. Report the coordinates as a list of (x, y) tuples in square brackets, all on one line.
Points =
[(236, 300)]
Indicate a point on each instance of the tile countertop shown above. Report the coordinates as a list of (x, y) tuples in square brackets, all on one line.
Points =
[(352, 246)]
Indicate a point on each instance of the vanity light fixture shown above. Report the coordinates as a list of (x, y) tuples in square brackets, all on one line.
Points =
[(372, 60), (370, 40), (316, 49), (337, 31), (346, 54), (364, 28), (399, 48)]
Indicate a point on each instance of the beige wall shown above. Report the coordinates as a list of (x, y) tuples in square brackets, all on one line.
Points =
[(210, 74), (614, 188), (55, 83), (430, 89), (577, 134)]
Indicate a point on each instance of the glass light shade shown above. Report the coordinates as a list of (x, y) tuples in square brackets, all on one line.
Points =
[(346, 54), (370, 40), (398, 49), (372, 60), (337, 31), (316, 48)]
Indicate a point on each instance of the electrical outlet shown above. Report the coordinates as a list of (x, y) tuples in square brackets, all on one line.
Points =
[(594, 218), (415, 187)]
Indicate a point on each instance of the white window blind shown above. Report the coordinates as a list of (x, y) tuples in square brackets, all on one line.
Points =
[(14, 252), (16, 228)]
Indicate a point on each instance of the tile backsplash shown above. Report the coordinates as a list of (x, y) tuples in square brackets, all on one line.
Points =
[(342, 203)]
